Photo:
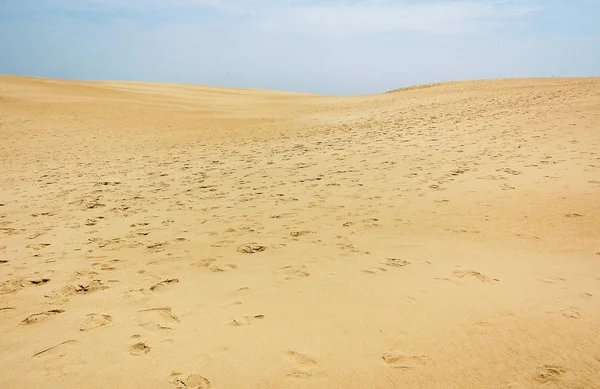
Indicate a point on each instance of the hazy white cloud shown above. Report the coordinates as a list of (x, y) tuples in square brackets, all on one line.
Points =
[(369, 17), (330, 17)]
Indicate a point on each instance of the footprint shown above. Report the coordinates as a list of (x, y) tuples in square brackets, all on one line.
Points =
[(157, 247), (399, 360), (106, 266), (251, 248), (551, 280), (164, 284), (40, 317), (139, 225), (481, 277), (510, 171), (246, 320), (35, 235), (193, 381), (204, 263), (38, 246), (396, 262), (242, 290), (294, 272), (303, 365), (284, 215), (223, 243), (85, 287), (296, 234), (549, 373), (571, 312), (370, 220), (138, 349), (157, 318), (94, 320), (39, 281), (137, 293), (222, 268), (11, 286), (374, 270)]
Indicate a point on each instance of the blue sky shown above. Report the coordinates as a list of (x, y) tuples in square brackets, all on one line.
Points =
[(328, 46)]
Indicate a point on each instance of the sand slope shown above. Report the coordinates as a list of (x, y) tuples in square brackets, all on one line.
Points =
[(175, 236)]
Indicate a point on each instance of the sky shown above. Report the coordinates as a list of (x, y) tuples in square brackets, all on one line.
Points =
[(339, 47)]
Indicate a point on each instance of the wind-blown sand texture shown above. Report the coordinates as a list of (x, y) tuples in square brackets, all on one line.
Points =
[(176, 236)]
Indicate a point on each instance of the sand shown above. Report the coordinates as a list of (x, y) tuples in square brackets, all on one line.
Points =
[(177, 236)]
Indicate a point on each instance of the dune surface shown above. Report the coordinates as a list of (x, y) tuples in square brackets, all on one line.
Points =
[(179, 236)]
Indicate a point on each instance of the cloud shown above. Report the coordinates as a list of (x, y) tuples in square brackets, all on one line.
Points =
[(369, 17), (327, 17)]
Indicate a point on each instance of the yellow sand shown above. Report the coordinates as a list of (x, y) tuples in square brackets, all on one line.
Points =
[(176, 236)]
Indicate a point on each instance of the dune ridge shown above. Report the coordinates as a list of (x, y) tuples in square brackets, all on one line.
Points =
[(180, 236)]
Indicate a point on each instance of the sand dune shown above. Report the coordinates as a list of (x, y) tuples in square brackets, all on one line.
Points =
[(177, 236)]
